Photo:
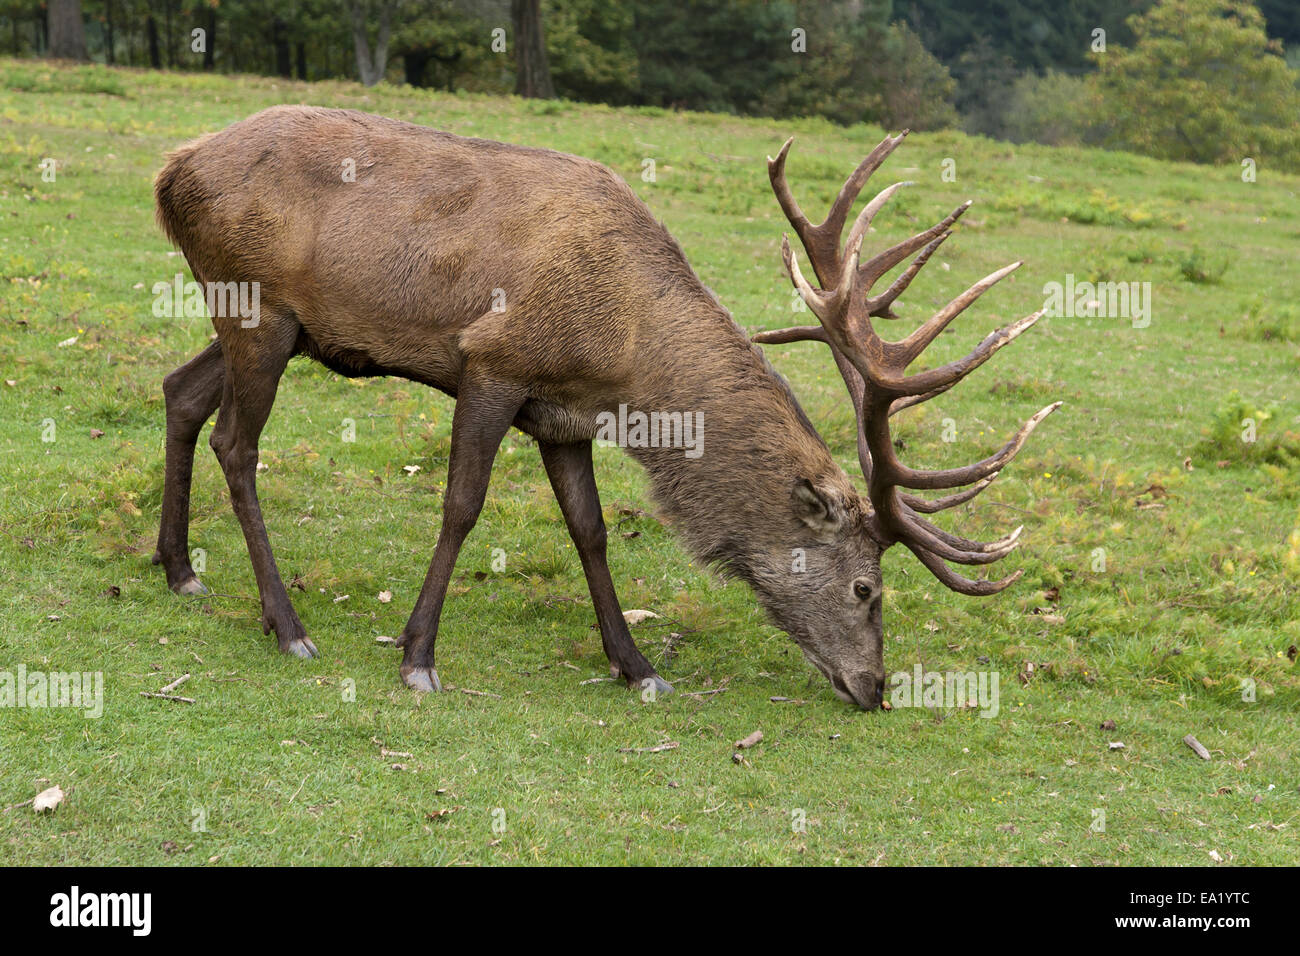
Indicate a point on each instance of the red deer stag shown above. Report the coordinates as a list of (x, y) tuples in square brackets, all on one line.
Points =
[(400, 270)]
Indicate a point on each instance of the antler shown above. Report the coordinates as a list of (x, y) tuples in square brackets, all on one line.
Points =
[(874, 370)]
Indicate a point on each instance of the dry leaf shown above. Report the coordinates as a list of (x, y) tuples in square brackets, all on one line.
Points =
[(48, 799), (385, 597), (636, 616)]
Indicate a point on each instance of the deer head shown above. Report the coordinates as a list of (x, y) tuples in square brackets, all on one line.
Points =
[(839, 621)]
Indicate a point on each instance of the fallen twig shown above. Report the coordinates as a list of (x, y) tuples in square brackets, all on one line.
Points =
[(660, 748), (1197, 746), (183, 700), (174, 684)]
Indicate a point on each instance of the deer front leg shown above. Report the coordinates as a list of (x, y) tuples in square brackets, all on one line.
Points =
[(484, 412), (192, 393), (574, 481)]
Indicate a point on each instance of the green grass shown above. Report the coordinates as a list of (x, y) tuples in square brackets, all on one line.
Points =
[(333, 761)]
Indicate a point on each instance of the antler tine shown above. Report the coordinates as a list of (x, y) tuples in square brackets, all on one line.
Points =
[(917, 342), (951, 579), (879, 264), (822, 241), (798, 333), (831, 308), (951, 547), (930, 506), (925, 385), (863, 222), (956, 477), (882, 305)]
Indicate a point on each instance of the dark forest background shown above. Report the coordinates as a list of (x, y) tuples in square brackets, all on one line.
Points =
[(1092, 72)]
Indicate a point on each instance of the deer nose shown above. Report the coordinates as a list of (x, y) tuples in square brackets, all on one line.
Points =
[(866, 689)]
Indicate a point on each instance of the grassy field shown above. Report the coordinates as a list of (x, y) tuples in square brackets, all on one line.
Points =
[(1161, 551)]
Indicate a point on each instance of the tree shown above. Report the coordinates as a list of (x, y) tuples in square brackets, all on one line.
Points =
[(440, 43), (1056, 109), (371, 67), (67, 33), (986, 76), (1203, 82), (916, 91), (532, 72), (589, 49), (1035, 34)]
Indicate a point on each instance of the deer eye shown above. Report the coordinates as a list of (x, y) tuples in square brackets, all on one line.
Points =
[(862, 590)]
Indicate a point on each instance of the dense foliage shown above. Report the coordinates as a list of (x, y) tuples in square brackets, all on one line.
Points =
[(1130, 74)]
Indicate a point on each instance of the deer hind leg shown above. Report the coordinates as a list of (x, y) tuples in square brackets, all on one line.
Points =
[(574, 482), (484, 412), (192, 393), (256, 358)]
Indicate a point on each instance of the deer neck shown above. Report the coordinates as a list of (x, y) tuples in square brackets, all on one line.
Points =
[(726, 485)]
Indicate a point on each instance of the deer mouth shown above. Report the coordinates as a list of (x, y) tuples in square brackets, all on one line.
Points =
[(860, 689)]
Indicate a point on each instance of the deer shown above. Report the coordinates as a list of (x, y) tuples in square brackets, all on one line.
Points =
[(400, 270)]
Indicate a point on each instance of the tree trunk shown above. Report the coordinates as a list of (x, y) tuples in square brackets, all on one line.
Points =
[(151, 28), (170, 37), (109, 57), (300, 53), (532, 72), (414, 62), (280, 41), (371, 68), (67, 34), (209, 49)]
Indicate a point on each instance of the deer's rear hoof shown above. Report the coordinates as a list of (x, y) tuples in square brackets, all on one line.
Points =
[(423, 679), (190, 587), (300, 647)]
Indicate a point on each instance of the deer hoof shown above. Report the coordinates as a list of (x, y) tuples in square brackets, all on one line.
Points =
[(301, 647), (661, 687), (423, 679), (191, 587)]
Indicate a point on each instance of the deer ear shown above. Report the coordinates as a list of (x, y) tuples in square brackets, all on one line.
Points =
[(816, 509)]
